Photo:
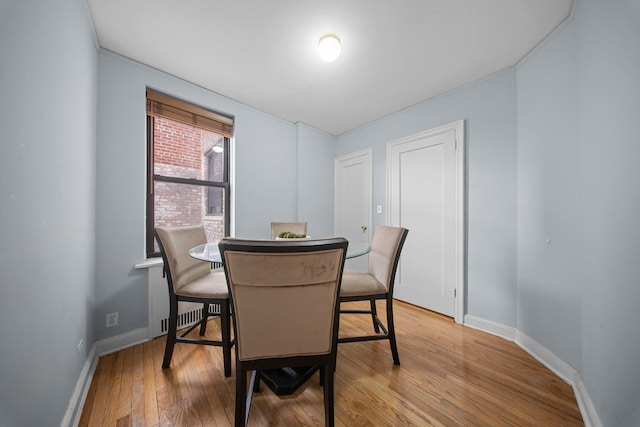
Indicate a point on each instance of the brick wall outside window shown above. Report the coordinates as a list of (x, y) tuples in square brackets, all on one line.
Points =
[(179, 150), (176, 144)]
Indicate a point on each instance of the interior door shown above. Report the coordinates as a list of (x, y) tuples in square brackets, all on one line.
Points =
[(353, 195), (423, 179)]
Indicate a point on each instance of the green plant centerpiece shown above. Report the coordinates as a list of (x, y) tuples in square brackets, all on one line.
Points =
[(291, 235)]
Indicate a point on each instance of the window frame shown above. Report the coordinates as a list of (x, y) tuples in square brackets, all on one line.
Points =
[(152, 178)]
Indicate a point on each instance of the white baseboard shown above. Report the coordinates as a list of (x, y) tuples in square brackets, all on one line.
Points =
[(587, 409), (506, 332), (99, 348), (128, 339), (79, 395), (558, 366)]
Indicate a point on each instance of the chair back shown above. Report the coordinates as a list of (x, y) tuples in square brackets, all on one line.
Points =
[(294, 227), (284, 295), (386, 246), (175, 243)]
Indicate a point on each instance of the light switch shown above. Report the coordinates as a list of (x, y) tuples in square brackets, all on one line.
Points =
[(379, 208)]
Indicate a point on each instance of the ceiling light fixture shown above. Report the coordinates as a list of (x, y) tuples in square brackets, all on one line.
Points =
[(329, 47)]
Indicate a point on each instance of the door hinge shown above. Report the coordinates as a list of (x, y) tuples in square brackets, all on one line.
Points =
[(455, 292)]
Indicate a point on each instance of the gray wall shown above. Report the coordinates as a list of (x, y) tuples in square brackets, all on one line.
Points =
[(48, 69), (315, 180), (552, 152), (489, 110), (578, 156), (274, 160), (553, 196)]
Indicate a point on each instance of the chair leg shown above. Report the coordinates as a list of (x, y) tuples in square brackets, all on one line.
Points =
[(329, 418), (225, 326), (256, 381), (392, 332), (255, 376), (205, 318), (374, 314), (171, 334), (241, 395)]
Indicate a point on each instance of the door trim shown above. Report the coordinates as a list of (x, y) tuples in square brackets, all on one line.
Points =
[(459, 205)]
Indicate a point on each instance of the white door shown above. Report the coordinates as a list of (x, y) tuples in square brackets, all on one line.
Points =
[(353, 195), (425, 175)]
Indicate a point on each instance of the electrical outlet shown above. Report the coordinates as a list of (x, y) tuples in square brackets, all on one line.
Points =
[(80, 346), (112, 319)]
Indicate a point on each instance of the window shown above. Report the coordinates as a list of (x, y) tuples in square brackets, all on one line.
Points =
[(187, 168)]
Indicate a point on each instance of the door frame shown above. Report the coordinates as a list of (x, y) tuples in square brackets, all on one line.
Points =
[(459, 205)]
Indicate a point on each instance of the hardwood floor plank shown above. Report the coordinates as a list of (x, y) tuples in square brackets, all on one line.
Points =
[(450, 375), (150, 399), (165, 408), (101, 401), (124, 399), (137, 388), (111, 413)]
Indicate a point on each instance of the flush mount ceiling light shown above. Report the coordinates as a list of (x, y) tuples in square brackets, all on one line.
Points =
[(329, 47)]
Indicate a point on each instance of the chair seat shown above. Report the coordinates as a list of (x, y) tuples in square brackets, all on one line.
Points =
[(357, 283), (212, 285)]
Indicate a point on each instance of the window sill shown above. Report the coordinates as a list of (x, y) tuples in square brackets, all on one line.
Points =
[(149, 262)]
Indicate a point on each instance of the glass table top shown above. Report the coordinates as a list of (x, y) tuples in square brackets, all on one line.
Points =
[(210, 252)]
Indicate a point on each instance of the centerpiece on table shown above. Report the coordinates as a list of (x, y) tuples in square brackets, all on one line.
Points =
[(289, 235)]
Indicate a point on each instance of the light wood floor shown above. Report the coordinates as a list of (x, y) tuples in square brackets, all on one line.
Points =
[(451, 375)]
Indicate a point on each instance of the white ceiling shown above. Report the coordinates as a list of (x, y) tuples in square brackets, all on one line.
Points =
[(395, 53)]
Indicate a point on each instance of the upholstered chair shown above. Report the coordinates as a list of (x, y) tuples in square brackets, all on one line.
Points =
[(285, 303), (376, 284), (192, 280)]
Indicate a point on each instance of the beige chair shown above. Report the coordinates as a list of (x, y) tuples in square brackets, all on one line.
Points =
[(376, 284), (192, 280), (285, 303), (294, 227)]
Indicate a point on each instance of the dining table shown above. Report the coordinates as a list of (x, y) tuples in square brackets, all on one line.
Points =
[(209, 251), (287, 380)]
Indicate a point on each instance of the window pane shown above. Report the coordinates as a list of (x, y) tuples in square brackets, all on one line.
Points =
[(215, 201), (178, 205), (187, 152)]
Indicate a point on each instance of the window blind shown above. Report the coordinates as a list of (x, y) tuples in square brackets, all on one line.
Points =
[(161, 105)]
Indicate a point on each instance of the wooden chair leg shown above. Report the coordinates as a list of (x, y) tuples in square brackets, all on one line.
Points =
[(205, 318), (171, 334), (241, 395), (225, 326), (329, 417), (392, 332), (374, 314)]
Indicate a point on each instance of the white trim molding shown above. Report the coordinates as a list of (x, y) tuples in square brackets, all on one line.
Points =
[(566, 372), (79, 395), (506, 332), (119, 342)]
